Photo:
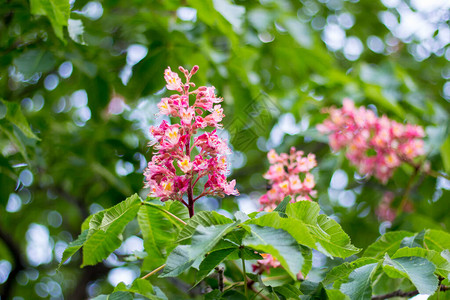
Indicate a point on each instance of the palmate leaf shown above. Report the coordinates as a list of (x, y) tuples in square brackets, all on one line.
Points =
[(157, 232), (387, 243), (359, 286), (105, 229), (203, 240), (417, 269), (278, 243), (330, 238), (204, 218)]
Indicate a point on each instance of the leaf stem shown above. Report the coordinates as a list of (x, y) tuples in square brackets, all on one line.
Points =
[(153, 272), (165, 211)]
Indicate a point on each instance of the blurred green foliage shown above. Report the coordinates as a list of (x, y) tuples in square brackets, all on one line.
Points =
[(80, 83)]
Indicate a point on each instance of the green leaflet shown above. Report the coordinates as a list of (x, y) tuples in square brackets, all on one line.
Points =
[(281, 208), (437, 240), (280, 244), (203, 240), (57, 11), (105, 229), (442, 265), (417, 269), (121, 212), (142, 287), (330, 238), (339, 274), (387, 243), (15, 116), (204, 218), (157, 232), (73, 247), (212, 260), (445, 154), (294, 227), (359, 286)]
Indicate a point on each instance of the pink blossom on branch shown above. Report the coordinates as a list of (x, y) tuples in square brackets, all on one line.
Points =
[(182, 156), (375, 145), (289, 175)]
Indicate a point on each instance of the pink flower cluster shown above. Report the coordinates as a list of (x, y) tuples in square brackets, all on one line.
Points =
[(289, 176), (375, 145), (384, 211), (268, 262), (182, 157)]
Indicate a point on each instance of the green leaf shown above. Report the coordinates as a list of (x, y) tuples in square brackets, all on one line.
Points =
[(204, 218), (211, 261), (178, 209), (105, 229), (139, 286), (336, 295), (358, 286), (288, 291), (280, 244), (281, 208), (445, 154), (330, 238), (339, 274), (437, 240), (296, 228), (57, 11), (15, 116), (121, 296), (73, 247), (14, 138), (157, 232), (203, 240), (417, 269), (442, 265), (387, 243), (123, 212)]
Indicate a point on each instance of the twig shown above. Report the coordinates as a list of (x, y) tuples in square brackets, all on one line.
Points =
[(405, 294), (220, 278), (153, 272)]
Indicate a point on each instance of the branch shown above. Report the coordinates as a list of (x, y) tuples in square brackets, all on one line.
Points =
[(399, 293), (220, 277)]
